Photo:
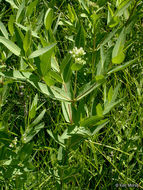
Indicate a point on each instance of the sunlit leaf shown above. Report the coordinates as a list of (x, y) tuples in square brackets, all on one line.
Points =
[(10, 45)]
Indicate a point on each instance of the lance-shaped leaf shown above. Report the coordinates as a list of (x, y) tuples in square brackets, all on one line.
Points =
[(56, 76), (70, 13), (87, 89), (45, 64), (31, 7), (41, 51), (48, 18), (121, 67), (31, 132), (100, 126), (91, 121), (32, 111), (20, 10), (10, 24), (38, 119), (80, 38), (118, 55), (107, 38), (3, 30), (67, 107), (27, 41), (65, 68), (10, 45), (109, 106)]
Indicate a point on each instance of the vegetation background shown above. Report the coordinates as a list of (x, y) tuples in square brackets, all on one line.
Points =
[(71, 112)]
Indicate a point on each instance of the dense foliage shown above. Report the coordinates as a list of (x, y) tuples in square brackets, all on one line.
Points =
[(71, 94)]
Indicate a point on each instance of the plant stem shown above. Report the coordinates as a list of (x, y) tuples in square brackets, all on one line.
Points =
[(75, 84)]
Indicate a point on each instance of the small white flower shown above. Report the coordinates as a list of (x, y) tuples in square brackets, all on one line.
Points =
[(78, 59), (77, 55), (11, 145)]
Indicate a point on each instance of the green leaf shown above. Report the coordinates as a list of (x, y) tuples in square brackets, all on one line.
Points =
[(48, 80), (71, 14), (110, 14), (87, 89), (91, 121), (41, 51), (27, 41), (25, 151), (82, 131), (55, 138), (66, 108), (122, 67), (59, 93), (115, 93), (19, 38), (110, 94), (99, 77), (80, 38), (107, 38), (31, 7), (57, 24), (12, 4), (117, 54), (34, 34), (32, 111), (102, 58), (65, 61), (54, 64), (3, 30), (29, 134), (109, 106), (100, 126), (76, 66), (45, 64), (19, 12), (56, 76), (114, 22), (65, 68), (99, 110), (39, 118), (67, 73), (122, 7), (119, 58), (84, 5), (10, 45), (60, 153), (10, 24), (48, 19)]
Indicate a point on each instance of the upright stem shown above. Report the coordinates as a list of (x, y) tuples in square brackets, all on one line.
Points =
[(75, 84)]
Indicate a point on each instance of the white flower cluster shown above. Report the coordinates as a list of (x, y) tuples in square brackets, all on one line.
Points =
[(14, 143), (77, 55)]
